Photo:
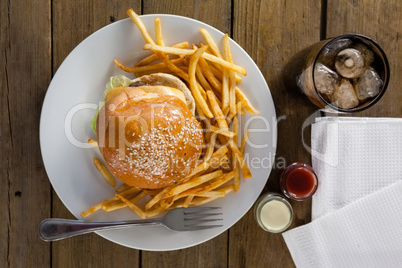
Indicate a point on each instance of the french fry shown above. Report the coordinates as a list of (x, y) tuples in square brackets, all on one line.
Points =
[(215, 163), (164, 58), (130, 190), (239, 157), (185, 194), (119, 205), (151, 192), (146, 68), (91, 210), (188, 52), (136, 19), (217, 70), (148, 39), (237, 111), (245, 102), (122, 187), (212, 194), (199, 168), (231, 74), (192, 183), (226, 189), (220, 118), (236, 178), (158, 32), (235, 128), (211, 43), (197, 201), (149, 59), (157, 198), (188, 200), (211, 146), (114, 201), (215, 83), (167, 202), (220, 152), (105, 172), (226, 111), (232, 93), (225, 90), (193, 82), (243, 142), (155, 211), (204, 83), (218, 182), (132, 206), (93, 142), (224, 132)]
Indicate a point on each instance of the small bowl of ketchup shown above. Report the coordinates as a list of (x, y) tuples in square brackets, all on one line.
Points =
[(299, 181)]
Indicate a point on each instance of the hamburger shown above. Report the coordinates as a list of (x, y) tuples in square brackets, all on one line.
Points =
[(147, 132)]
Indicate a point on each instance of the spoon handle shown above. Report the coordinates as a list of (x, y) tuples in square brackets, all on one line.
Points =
[(55, 229)]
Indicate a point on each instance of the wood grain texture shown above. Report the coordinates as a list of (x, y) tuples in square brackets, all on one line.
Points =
[(271, 32), (73, 21), (5, 137), (25, 192), (381, 21), (36, 36), (214, 13), (214, 252)]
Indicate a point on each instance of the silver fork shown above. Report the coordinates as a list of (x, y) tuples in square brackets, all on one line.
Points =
[(181, 219)]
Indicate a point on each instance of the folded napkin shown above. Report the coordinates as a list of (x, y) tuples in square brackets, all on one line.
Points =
[(366, 233), (357, 209), (353, 157)]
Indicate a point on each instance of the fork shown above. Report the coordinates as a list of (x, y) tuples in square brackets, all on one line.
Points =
[(181, 219)]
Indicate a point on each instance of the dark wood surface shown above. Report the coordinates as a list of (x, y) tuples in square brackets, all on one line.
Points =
[(35, 38)]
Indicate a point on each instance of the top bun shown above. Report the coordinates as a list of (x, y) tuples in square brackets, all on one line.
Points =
[(149, 139)]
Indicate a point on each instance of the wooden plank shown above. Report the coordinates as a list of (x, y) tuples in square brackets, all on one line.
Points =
[(381, 21), (5, 139), (214, 13), (214, 252), (272, 32), (73, 21), (24, 190)]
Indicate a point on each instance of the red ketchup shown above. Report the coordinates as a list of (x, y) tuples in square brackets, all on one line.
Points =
[(298, 181)]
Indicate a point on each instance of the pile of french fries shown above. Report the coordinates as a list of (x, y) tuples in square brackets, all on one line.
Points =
[(212, 78)]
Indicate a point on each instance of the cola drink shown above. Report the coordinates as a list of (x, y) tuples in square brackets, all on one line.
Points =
[(348, 73)]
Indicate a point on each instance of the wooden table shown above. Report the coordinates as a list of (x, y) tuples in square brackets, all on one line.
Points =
[(35, 38)]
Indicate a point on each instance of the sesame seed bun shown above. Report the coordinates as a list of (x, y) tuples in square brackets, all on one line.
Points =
[(149, 139)]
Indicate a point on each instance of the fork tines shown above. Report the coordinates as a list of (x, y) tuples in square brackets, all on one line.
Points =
[(198, 215)]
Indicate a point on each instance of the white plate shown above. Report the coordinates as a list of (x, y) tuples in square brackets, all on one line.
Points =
[(70, 104)]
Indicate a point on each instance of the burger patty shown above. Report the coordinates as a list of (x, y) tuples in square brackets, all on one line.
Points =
[(138, 84)]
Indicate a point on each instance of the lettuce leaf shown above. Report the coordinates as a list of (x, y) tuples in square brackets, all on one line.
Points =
[(115, 81)]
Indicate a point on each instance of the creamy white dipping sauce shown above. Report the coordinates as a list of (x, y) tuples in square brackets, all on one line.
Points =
[(275, 215)]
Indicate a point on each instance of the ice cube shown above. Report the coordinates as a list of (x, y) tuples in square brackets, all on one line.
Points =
[(345, 95), (349, 63), (367, 54), (329, 52), (368, 85), (325, 79)]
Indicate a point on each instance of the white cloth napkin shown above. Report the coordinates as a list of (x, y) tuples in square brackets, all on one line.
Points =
[(357, 209), (353, 157), (366, 233)]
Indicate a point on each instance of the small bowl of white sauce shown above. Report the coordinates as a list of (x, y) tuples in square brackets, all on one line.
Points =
[(273, 213)]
